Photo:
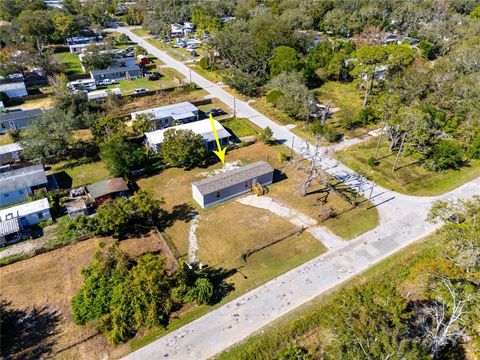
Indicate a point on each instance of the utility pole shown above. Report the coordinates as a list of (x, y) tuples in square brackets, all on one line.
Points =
[(234, 107), (370, 196), (190, 76)]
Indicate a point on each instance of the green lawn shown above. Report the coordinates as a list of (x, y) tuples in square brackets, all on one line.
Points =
[(410, 177), (128, 86), (70, 62), (141, 32), (240, 127), (75, 173)]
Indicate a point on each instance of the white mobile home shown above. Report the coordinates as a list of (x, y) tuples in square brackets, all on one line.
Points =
[(165, 116)]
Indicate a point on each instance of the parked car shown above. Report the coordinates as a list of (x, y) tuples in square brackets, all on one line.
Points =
[(140, 91), (194, 53), (129, 49), (215, 112), (154, 76)]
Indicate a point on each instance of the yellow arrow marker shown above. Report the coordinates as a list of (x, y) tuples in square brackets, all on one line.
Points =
[(220, 152)]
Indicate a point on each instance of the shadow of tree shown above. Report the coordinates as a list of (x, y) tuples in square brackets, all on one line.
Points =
[(27, 334), (183, 212)]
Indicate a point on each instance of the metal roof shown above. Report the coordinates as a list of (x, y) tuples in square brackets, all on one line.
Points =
[(24, 209), (9, 148), (21, 178), (106, 187), (184, 109), (13, 86), (232, 177), (202, 127), (17, 115), (115, 69), (8, 227)]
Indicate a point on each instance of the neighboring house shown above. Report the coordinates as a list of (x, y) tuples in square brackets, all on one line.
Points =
[(14, 89), (10, 153), (78, 44), (399, 39), (18, 184), (108, 189), (227, 185), (166, 116), (154, 139), (103, 94), (9, 231), (177, 29), (18, 120), (22, 216), (379, 73), (76, 207), (117, 73), (82, 84)]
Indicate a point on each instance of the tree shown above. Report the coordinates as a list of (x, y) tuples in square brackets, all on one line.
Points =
[(36, 25), (64, 25), (96, 59), (265, 135), (121, 156), (447, 154), (295, 97), (284, 59), (202, 292), (428, 49), (143, 123), (49, 136), (107, 127), (183, 148)]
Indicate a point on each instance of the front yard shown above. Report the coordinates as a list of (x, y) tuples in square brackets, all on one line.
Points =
[(410, 177)]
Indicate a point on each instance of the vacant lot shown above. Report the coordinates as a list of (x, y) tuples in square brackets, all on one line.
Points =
[(70, 62), (410, 177), (128, 86), (240, 127), (77, 173), (47, 283)]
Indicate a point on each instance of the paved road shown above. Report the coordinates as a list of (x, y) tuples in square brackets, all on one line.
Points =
[(402, 221)]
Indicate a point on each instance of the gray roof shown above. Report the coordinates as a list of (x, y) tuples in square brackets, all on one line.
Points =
[(9, 148), (177, 111), (12, 86), (21, 178), (17, 115), (105, 187), (8, 227), (232, 177), (115, 69)]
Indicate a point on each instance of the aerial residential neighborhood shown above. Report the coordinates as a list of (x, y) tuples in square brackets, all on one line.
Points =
[(239, 179)]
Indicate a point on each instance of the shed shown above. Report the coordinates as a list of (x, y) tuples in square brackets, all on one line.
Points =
[(154, 139), (10, 153), (14, 89), (18, 120), (8, 230), (108, 189), (227, 185), (165, 116)]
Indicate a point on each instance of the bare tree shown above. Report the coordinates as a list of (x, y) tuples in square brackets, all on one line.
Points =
[(440, 322)]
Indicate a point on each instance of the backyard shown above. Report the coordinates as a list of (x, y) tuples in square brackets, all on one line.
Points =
[(47, 283), (128, 86), (70, 62), (410, 177), (76, 173)]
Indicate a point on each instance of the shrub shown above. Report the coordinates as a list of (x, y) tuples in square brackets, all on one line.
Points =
[(428, 49), (373, 161), (265, 135), (446, 154), (206, 64), (474, 148), (15, 135), (328, 132), (283, 157), (274, 97)]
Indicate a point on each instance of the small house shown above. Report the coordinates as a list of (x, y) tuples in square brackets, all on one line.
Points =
[(18, 120), (10, 153), (78, 44), (229, 184), (154, 139), (104, 190), (166, 116), (117, 73), (18, 184), (14, 89), (76, 206), (9, 231)]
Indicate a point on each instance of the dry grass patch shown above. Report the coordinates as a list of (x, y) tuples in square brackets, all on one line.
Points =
[(50, 280)]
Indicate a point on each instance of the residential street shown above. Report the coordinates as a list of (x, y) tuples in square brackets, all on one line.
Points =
[(402, 222)]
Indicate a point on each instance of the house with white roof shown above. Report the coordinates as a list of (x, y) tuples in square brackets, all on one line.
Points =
[(166, 116), (10, 153), (99, 95), (16, 218), (154, 139), (14, 89)]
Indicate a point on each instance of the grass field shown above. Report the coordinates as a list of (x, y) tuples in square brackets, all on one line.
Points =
[(5, 139), (128, 86), (75, 173), (302, 327), (240, 127), (47, 283), (410, 177), (70, 62)]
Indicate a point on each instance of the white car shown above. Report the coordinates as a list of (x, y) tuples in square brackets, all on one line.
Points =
[(106, 82), (140, 91)]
